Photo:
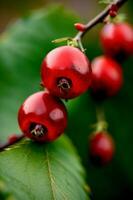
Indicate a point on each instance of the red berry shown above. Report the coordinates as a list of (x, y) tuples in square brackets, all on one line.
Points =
[(117, 39), (80, 27), (107, 77), (42, 117), (101, 148), (66, 72)]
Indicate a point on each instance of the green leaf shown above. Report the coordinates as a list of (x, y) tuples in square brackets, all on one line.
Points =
[(59, 40), (33, 171), (49, 171), (105, 1)]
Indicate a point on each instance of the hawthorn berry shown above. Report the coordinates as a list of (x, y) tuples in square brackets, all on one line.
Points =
[(42, 117), (101, 148), (66, 72), (117, 40), (107, 77)]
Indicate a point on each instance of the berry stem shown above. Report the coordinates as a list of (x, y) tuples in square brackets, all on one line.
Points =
[(101, 125), (100, 113), (9, 143), (99, 18)]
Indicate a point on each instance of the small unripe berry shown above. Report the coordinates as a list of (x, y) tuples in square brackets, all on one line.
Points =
[(112, 13), (101, 148), (113, 10), (80, 27)]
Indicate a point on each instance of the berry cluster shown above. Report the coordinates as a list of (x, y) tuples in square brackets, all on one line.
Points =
[(66, 73), (107, 80)]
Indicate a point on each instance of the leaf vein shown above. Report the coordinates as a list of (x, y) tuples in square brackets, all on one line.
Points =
[(50, 175)]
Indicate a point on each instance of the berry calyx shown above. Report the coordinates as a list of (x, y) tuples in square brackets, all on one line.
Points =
[(64, 84), (42, 117), (38, 130), (107, 77), (117, 40), (66, 72), (80, 27), (101, 148)]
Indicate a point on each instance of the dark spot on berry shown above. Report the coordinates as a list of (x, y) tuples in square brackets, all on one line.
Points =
[(38, 130), (64, 84)]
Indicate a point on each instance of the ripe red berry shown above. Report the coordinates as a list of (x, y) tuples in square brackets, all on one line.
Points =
[(42, 117), (101, 148), (66, 72), (117, 40), (80, 27), (107, 77)]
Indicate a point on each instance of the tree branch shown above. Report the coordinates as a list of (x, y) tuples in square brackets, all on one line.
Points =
[(11, 142), (99, 18)]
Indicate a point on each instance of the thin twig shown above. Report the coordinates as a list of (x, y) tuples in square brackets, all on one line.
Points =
[(99, 18), (102, 124), (100, 113), (9, 143)]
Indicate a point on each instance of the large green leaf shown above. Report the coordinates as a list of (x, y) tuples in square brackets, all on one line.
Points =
[(33, 171), (50, 171)]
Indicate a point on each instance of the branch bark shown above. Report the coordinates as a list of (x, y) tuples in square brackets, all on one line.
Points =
[(99, 18), (9, 143)]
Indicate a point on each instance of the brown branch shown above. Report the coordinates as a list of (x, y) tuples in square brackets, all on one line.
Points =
[(99, 18), (9, 143)]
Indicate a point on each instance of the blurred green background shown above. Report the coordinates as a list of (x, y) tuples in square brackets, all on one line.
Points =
[(116, 180), (10, 10)]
